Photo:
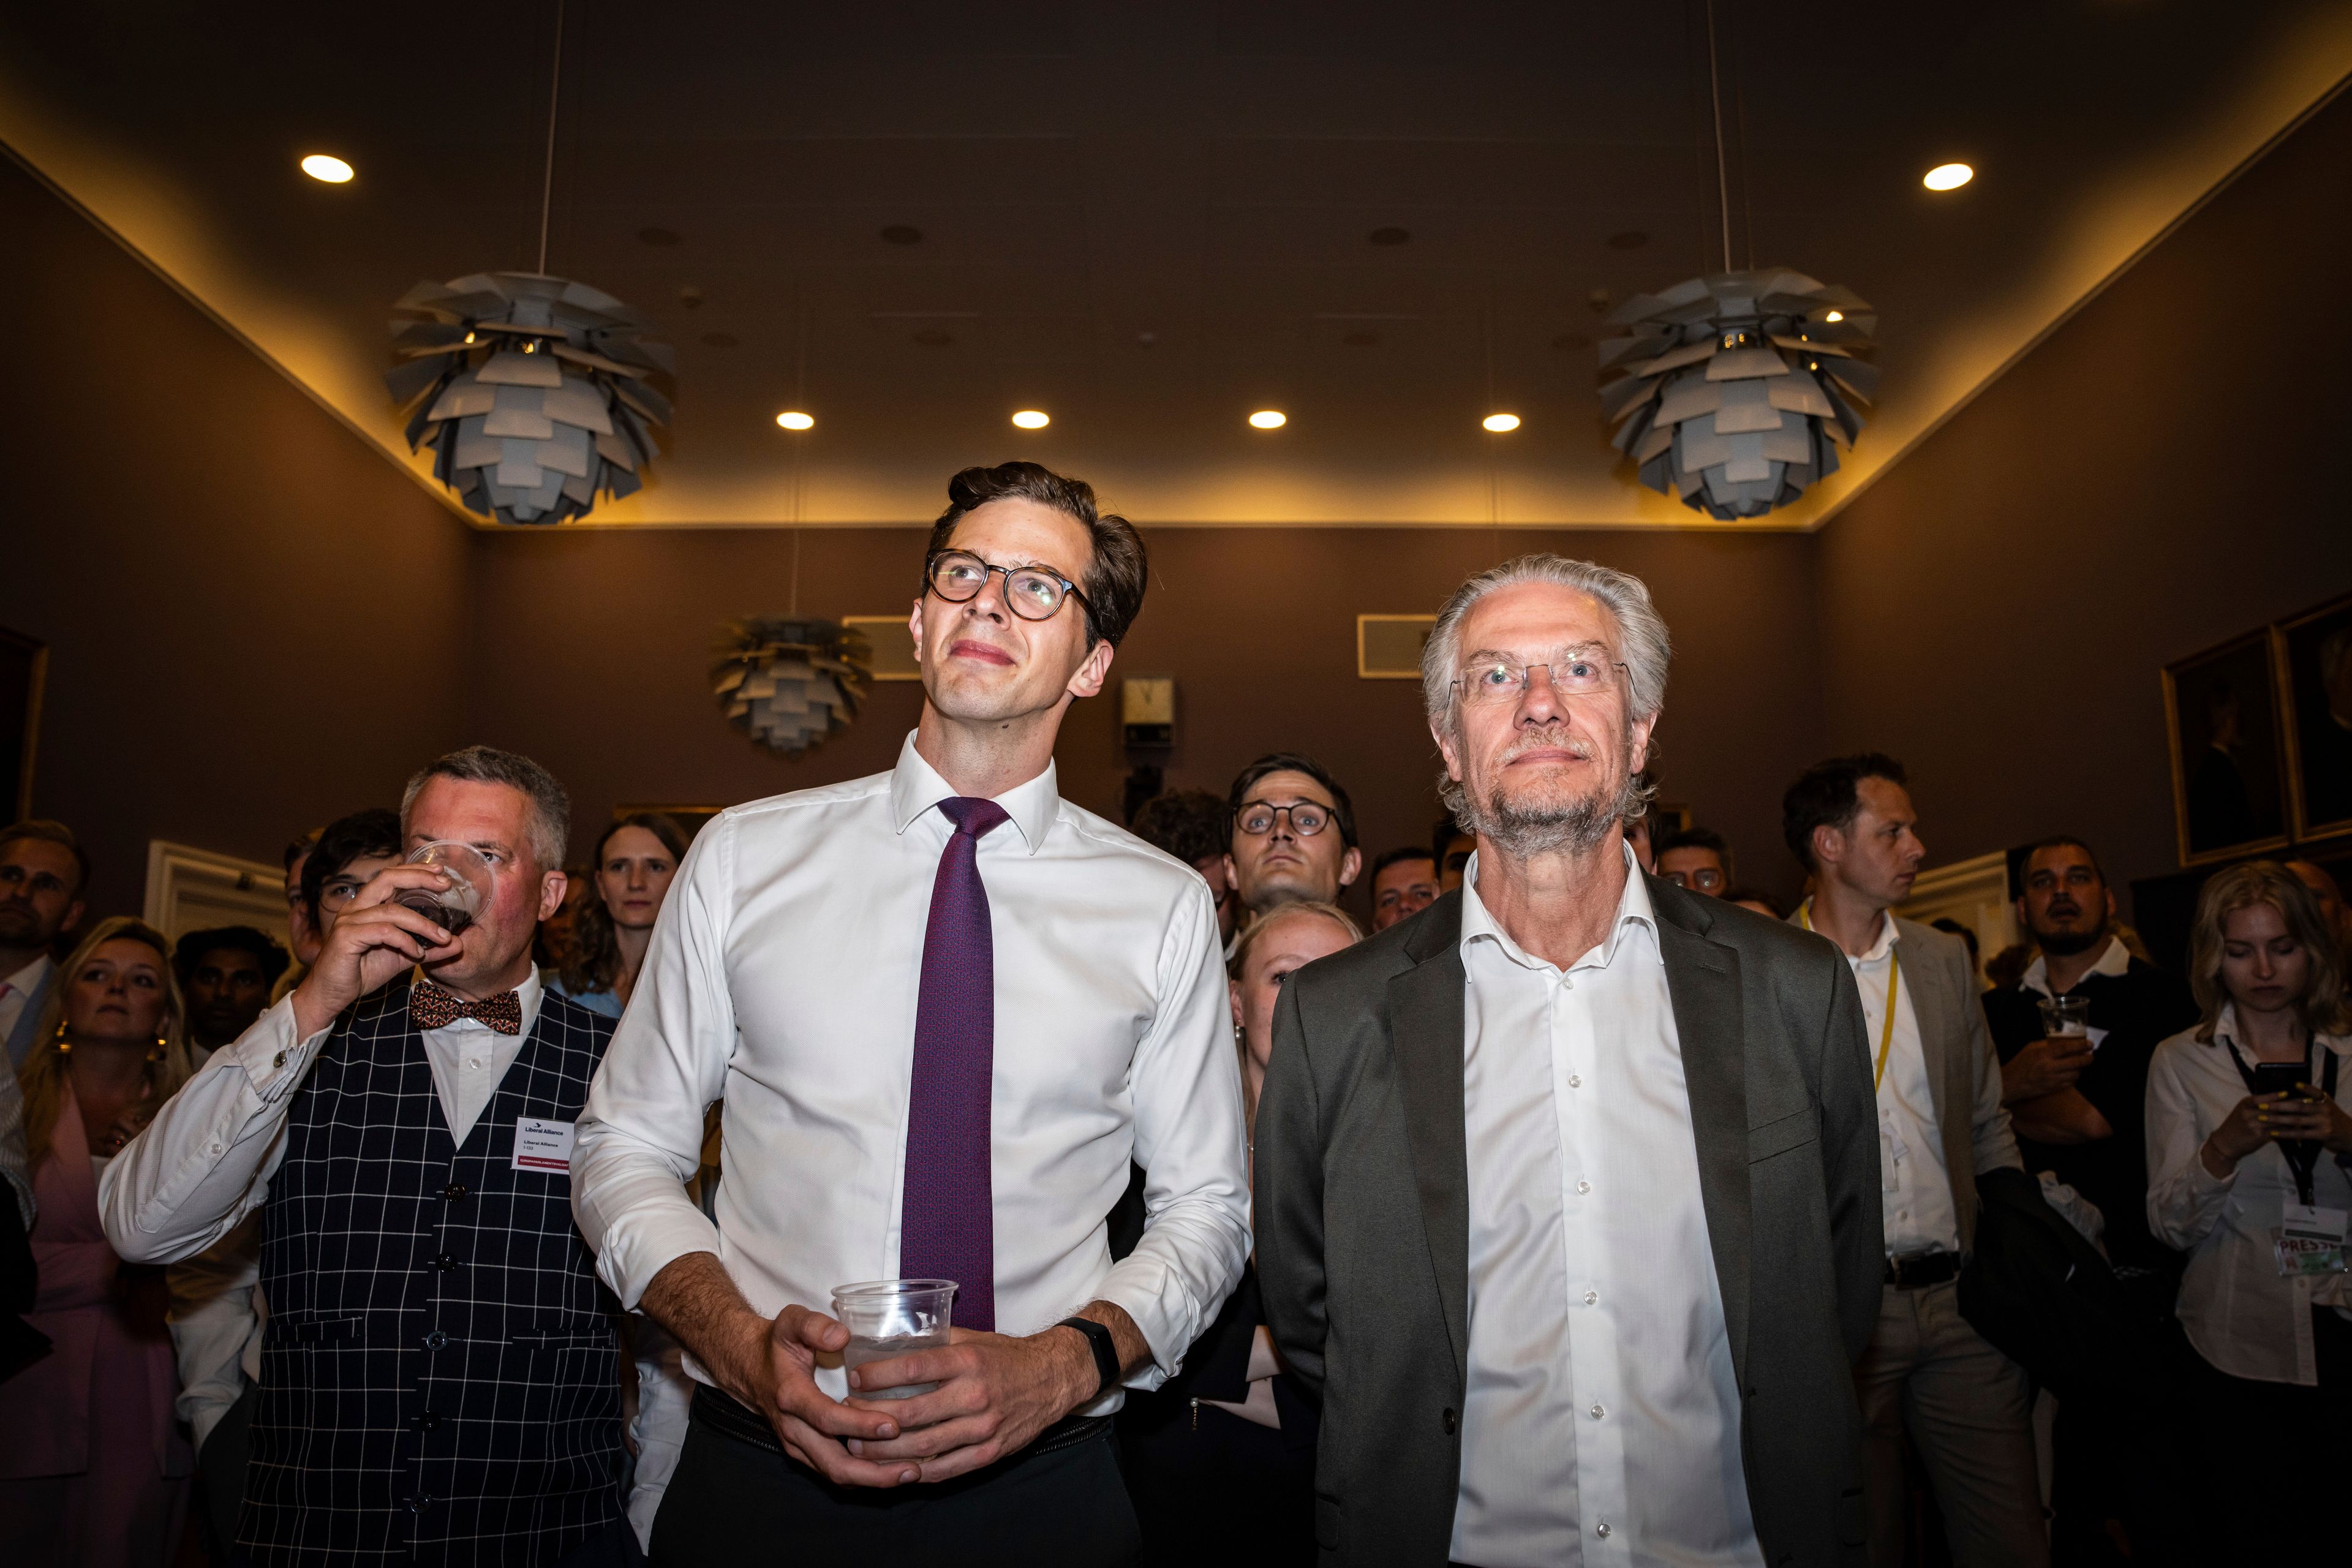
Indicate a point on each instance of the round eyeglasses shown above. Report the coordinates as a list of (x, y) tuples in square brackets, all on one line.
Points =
[(1031, 593), (1256, 817), (1503, 679)]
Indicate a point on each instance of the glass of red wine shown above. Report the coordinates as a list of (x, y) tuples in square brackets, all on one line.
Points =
[(468, 880)]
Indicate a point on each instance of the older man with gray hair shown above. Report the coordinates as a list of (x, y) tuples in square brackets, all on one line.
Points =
[(1568, 1191)]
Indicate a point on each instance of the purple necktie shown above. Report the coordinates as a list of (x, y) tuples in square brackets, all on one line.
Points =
[(947, 1229)]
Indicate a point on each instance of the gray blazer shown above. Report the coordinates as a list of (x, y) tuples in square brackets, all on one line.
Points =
[(1363, 1219), (1963, 1070)]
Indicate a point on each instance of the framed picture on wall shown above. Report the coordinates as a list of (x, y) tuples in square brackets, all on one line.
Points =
[(2229, 774), (2315, 666), (23, 665)]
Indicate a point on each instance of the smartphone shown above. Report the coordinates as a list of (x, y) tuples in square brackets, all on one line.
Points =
[(2279, 1078)]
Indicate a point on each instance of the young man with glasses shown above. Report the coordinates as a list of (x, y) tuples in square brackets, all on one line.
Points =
[(1696, 858), (942, 1008), (1567, 1197), (1294, 835)]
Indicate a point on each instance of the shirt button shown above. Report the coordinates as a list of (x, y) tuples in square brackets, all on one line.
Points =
[(1597, 1413), (1582, 1187), (435, 1340), (1576, 1080), (424, 1423), (1449, 1421), (454, 1190), (445, 1263), (282, 1059), (1592, 1298), (473, 1061), (417, 1505), (1602, 1530)]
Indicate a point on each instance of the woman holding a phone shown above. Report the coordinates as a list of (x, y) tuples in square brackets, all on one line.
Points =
[(2248, 1141)]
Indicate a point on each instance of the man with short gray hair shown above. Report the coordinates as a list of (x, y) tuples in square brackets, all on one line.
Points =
[(1567, 1190), (440, 1371)]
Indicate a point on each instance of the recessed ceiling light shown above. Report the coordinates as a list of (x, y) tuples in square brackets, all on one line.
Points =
[(1949, 176), (326, 169), (1033, 419), (793, 419), (903, 234), (1389, 236), (1269, 419), (1498, 423), (1834, 316)]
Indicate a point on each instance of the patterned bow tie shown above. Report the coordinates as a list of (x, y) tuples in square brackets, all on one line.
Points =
[(433, 1007)]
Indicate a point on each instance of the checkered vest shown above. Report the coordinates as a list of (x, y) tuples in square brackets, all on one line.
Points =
[(439, 1376)]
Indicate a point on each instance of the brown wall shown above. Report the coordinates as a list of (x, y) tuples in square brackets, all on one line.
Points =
[(2163, 473), (604, 641), (195, 539)]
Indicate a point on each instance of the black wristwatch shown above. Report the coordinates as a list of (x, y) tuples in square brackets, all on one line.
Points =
[(1099, 1339)]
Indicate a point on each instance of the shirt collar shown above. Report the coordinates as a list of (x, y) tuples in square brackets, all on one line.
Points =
[(2225, 1027), (27, 979), (1634, 910), (2113, 961), (916, 787), (1888, 934)]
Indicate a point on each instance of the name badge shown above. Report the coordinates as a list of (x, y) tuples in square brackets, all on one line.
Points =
[(542, 1145), (2310, 1240)]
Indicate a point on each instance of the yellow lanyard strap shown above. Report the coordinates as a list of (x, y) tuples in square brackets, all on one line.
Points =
[(1894, 972)]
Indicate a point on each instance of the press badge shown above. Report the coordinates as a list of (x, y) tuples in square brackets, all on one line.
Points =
[(2309, 1240), (547, 1146)]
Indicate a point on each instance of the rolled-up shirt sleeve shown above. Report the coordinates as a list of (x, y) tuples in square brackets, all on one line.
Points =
[(640, 1137), (1190, 1140), (205, 1162), (2184, 1198)]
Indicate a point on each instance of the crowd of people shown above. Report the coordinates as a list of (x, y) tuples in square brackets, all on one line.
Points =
[(1591, 1206)]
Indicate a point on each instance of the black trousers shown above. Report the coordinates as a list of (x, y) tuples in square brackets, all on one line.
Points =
[(2275, 1455), (730, 1501)]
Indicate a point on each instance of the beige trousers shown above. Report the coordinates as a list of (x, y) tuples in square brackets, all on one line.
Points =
[(1969, 1413)]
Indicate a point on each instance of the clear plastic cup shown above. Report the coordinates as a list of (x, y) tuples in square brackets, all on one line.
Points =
[(2062, 1016), (893, 1317), (470, 880)]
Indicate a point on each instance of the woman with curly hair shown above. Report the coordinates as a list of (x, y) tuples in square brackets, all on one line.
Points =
[(93, 1464), (630, 876)]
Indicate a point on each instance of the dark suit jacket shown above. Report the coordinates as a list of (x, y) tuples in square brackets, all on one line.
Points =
[(1363, 1220)]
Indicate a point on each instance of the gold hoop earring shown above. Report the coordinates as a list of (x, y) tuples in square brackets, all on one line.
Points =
[(65, 1046), (162, 1044)]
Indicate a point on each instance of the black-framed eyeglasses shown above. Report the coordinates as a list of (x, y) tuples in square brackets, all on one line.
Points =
[(1031, 593), (1705, 879), (1256, 817)]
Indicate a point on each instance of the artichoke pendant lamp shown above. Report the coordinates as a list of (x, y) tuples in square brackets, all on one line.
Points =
[(1733, 392), (789, 682), (532, 392)]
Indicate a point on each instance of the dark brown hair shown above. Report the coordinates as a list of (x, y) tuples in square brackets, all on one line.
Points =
[(595, 961), (1115, 578)]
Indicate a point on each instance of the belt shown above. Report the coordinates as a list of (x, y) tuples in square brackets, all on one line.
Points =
[(731, 1418), (1921, 1269)]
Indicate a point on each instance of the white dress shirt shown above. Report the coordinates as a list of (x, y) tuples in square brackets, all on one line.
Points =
[(1601, 1418), (782, 979), (2112, 962), (1917, 1203), (16, 992), (205, 1162), (2241, 1315)]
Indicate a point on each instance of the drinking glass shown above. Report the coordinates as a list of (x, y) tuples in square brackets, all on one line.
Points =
[(893, 1317), (469, 880), (2066, 1015)]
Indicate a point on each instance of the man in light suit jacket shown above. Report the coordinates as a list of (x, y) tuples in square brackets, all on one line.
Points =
[(43, 873), (1967, 1407), (1566, 1193)]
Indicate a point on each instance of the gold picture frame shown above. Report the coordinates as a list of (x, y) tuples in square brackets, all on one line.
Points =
[(2224, 735), (2316, 716)]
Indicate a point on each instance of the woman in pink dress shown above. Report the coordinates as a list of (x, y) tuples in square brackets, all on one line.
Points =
[(93, 1464)]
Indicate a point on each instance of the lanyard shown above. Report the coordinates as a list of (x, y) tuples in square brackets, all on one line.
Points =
[(2301, 1154), (1886, 1029)]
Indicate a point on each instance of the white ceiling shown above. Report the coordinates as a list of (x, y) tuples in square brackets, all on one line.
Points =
[(1151, 219)]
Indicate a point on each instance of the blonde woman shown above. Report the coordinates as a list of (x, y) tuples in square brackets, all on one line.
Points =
[(1221, 1459), (93, 1464), (2233, 1157)]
